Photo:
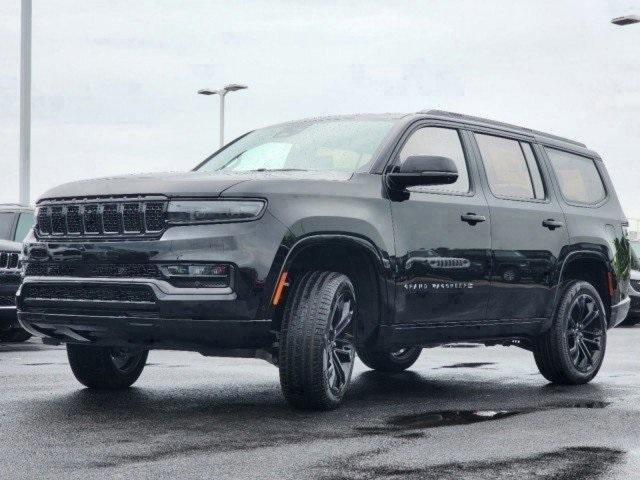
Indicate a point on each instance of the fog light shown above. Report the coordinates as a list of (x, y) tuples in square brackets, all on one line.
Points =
[(197, 270), (197, 275)]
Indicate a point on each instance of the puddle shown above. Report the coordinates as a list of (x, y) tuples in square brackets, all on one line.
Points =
[(468, 365), (448, 418), (568, 464), (44, 363)]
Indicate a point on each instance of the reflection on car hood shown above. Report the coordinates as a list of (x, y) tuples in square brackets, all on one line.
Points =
[(194, 184)]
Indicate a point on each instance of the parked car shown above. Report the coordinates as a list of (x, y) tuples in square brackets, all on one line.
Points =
[(634, 288), (306, 242), (15, 222), (10, 331)]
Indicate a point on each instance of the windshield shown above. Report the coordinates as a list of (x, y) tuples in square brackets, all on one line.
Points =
[(327, 144), (6, 225)]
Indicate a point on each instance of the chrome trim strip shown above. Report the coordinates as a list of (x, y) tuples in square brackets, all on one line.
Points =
[(159, 287)]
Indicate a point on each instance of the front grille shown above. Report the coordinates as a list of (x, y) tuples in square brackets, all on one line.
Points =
[(7, 300), (635, 284), (104, 293), (8, 261), (95, 218), (92, 270)]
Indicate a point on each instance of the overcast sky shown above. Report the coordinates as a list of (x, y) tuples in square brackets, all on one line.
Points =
[(114, 82)]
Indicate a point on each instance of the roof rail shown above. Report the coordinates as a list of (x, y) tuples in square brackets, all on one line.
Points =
[(472, 119)]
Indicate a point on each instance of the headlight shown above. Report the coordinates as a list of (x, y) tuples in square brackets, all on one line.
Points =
[(182, 212)]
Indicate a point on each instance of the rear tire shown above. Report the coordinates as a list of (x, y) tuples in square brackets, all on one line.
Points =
[(316, 342), (572, 351), (15, 335), (389, 362), (106, 368)]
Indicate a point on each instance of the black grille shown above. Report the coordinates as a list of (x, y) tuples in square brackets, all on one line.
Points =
[(105, 292), (7, 300), (113, 217), (635, 284), (8, 260), (93, 270)]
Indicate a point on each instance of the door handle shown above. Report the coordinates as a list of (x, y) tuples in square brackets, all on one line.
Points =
[(552, 224), (472, 218)]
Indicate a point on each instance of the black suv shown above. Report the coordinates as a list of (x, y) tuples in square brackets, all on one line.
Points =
[(15, 223), (306, 242)]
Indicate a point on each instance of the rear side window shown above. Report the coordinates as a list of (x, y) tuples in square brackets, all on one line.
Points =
[(511, 166), (578, 177), (440, 142)]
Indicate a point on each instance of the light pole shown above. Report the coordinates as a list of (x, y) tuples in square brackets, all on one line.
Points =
[(232, 87), (626, 20), (25, 101)]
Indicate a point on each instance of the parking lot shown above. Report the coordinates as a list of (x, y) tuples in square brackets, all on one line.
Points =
[(460, 412)]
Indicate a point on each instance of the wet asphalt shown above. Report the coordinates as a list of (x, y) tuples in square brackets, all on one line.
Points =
[(459, 413)]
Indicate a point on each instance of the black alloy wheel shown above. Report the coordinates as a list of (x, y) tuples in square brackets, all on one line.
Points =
[(572, 350)]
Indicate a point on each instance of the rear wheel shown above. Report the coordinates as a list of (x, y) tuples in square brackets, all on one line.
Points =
[(389, 361), (106, 368), (15, 335), (573, 349), (316, 343)]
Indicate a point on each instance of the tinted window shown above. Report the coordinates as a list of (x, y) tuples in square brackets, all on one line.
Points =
[(512, 170), (578, 177), (6, 224), (442, 142), (25, 222)]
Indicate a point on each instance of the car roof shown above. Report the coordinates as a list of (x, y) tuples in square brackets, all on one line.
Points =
[(541, 137)]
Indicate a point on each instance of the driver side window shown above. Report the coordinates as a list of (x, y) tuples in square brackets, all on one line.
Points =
[(442, 142)]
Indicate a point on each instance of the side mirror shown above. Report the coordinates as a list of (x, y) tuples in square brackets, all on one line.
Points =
[(423, 170)]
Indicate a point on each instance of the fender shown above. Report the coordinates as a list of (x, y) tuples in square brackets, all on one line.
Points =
[(286, 256), (576, 254)]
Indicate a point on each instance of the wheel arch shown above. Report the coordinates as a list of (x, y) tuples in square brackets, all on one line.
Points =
[(353, 255), (588, 265)]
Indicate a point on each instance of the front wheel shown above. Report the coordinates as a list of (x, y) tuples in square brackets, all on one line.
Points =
[(389, 361), (572, 351), (106, 368), (316, 341)]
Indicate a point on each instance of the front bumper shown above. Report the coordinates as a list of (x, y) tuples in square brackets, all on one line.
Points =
[(163, 315), (619, 312), (8, 288), (173, 318)]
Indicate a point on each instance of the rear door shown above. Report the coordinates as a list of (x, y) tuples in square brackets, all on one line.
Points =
[(442, 236), (528, 228)]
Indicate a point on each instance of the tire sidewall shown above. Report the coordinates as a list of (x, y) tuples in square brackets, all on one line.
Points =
[(562, 319), (345, 286)]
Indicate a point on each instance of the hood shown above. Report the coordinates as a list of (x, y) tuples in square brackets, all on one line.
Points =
[(9, 246), (185, 184)]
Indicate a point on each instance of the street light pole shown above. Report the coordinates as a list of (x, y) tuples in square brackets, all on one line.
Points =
[(25, 101), (222, 93)]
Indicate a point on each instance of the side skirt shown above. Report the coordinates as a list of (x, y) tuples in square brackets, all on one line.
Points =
[(490, 332)]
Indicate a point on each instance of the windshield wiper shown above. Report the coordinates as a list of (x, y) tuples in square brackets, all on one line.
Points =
[(278, 170)]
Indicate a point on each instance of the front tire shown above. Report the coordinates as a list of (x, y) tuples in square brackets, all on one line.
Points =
[(387, 361), (572, 351), (316, 342), (106, 368)]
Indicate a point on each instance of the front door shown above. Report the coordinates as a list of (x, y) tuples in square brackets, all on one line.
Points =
[(527, 228), (442, 236)]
